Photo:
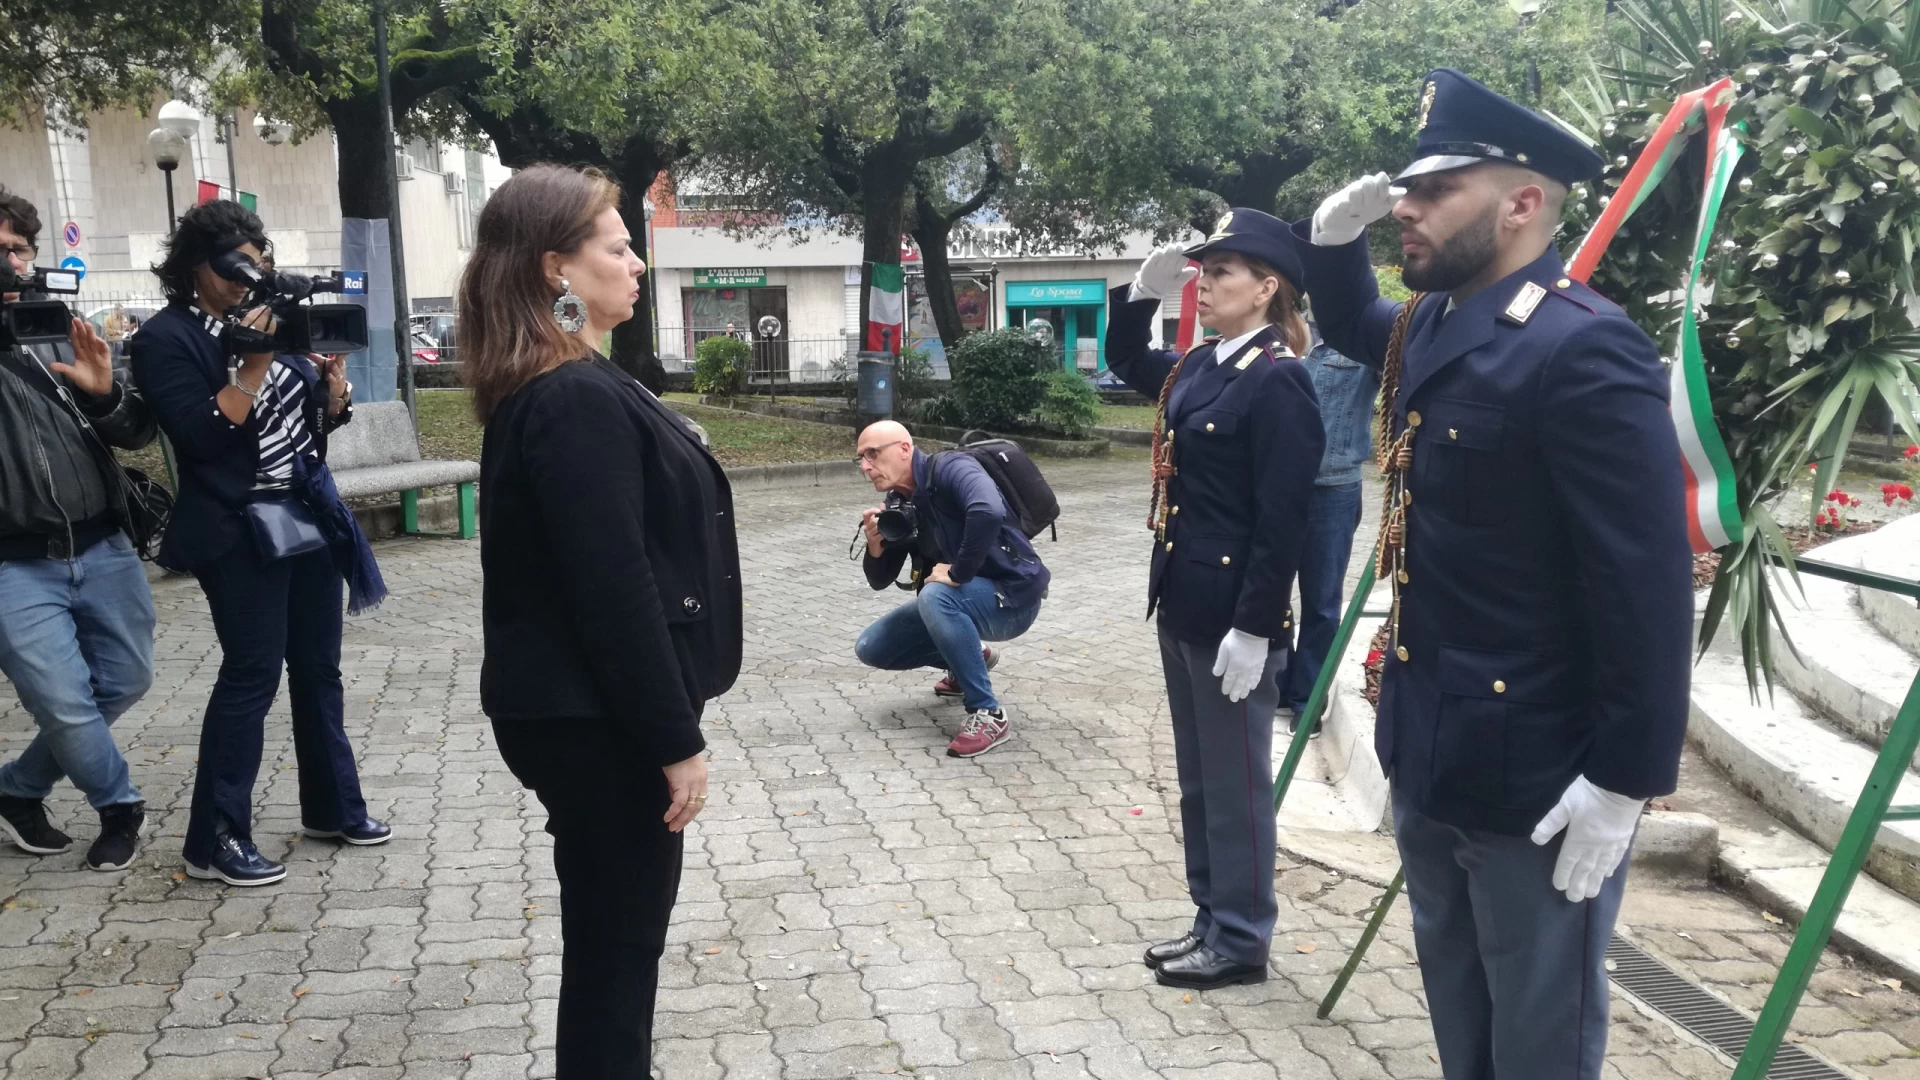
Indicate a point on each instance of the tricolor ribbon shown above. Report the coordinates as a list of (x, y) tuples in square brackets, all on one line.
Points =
[(1713, 512)]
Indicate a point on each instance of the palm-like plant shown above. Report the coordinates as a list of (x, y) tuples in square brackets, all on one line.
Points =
[(1813, 308)]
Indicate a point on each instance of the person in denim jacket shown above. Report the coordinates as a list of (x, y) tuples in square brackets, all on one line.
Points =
[(1347, 390)]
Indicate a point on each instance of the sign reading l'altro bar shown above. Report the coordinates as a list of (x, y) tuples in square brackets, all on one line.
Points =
[(730, 278)]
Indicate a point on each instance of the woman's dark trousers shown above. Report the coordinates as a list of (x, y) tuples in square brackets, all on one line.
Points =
[(267, 614), (619, 871)]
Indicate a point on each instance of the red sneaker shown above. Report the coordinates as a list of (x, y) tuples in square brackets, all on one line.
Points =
[(947, 687), (986, 729)]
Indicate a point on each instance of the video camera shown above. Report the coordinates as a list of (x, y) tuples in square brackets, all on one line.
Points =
[(35, 322), (301, 327)]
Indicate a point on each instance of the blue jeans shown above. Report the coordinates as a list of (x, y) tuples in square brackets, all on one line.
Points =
[(1333, 513), (76, 639), (942, 628)]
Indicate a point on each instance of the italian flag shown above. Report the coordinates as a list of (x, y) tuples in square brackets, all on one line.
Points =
[(886, 307), (1713, 511)]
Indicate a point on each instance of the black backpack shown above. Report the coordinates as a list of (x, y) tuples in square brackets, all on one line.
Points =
[(1029, 497)]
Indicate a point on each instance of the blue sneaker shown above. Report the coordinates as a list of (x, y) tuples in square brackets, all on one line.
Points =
[(365, 834), (237, 862)]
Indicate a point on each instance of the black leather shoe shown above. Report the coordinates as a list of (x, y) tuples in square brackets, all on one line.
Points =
[(1171, 950), (361, 835), (1204, 969), (237, 862)]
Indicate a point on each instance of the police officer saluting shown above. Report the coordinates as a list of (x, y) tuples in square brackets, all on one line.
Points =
[(1236, 447), (1535, 693)]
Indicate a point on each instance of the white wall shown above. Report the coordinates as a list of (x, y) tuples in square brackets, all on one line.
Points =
[(122, 197)]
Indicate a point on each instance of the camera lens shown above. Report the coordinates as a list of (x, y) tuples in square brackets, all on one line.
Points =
[(895, 525)]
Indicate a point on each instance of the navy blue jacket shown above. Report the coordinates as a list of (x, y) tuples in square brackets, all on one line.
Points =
[(180, 365), (1548, 610), (1247, 442), (972, 524)]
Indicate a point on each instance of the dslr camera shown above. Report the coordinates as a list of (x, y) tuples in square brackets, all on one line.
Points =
[(300, 325), (898, 521), (35, 322)]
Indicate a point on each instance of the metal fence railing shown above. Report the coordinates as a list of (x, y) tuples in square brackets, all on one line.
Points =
[(779, 359)]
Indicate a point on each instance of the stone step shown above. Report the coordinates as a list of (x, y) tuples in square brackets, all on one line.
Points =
[(1780, 871), (1802, 771), (1847, 667), (1893, 549), (1339, 786)]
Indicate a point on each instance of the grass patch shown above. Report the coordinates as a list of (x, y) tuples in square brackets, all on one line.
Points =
[(742, 438), (447, 427), (1133, 417)]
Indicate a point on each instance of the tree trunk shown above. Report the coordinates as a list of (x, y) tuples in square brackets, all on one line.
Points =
[(933, 233), (637, 167), (364, 157), (880, 228)]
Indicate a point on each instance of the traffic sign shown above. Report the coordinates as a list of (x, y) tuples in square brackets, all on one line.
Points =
[(75, 264), (71, 234)]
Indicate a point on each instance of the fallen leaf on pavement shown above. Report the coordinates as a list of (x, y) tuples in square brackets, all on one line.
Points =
[(1187, 998), (1891, 984), (1851, 992), (300, 993), (1136, 811), (1307, 948), (715, 951), (1772, 918)]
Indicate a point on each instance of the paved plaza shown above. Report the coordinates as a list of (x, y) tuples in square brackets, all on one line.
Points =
[(855, 904)]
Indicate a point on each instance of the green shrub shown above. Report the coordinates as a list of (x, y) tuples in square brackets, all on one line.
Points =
[(1070, 404), (913, 380), (721, 365), (999, 376), (944, 410), (842, 374), (1391, 287)]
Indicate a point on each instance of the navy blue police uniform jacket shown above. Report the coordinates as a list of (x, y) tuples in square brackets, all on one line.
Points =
[(1246, 442), (1548, 606)]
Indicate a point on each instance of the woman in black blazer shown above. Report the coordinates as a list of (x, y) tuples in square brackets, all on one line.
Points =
[(611, 598), (250, 430)]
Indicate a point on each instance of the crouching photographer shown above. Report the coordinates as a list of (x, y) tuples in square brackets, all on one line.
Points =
[(76, 618), (990, 588), (248, 408)]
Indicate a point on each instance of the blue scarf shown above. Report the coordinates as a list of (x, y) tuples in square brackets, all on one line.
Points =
[(352, 555)]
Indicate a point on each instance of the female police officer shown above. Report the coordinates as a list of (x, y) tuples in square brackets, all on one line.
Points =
[(1236, 447)]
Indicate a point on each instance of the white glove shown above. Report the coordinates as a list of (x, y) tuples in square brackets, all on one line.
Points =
[(1346, 213), (1242, 660), (1599, 828), (1163, 273)]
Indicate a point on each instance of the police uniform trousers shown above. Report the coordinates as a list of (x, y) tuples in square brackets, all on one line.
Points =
[(1224, 750), (1515, 972)]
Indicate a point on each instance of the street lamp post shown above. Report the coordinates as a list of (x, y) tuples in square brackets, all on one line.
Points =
[(403, 322), (230, 130), (167, 147)]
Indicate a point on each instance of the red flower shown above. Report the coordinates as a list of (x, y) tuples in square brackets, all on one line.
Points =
[(1852, 501), (1815, 466), (1374, 656), (1820, 518), (1906, 492), (1836, 496), (1889, 492), (1911, 453)]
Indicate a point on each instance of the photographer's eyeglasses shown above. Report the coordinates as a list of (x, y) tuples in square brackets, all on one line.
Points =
[(873, 453), (26, 253)]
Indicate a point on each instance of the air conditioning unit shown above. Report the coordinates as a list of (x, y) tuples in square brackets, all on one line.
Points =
[(402, 165), (456, 183)]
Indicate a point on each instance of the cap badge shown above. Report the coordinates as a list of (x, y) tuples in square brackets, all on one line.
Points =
[(1522, 307), (1220, 227), (1426, 104)]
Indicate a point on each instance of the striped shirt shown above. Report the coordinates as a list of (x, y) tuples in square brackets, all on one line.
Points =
[(283, 431)]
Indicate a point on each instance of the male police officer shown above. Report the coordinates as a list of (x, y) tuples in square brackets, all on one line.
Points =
[(1536, 683)]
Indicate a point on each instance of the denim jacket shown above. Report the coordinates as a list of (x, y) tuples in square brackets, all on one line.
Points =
[(1347, 390)]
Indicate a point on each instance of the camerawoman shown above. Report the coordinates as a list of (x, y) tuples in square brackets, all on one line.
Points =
[(989, 588)]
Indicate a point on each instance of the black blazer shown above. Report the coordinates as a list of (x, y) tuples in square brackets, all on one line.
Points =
[(1246, 442), (180, 365), (611, 581)]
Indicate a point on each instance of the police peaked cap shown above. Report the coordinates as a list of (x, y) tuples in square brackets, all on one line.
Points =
[(1256, 235), (1464, 123)]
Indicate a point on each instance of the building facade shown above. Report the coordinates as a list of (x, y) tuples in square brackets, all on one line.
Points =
[(795, 292), (103, 201)]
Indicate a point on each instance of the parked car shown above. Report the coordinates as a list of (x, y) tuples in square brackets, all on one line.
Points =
[(438, 331)]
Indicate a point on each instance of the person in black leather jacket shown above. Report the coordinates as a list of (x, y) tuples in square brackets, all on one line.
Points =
[(76, 617)]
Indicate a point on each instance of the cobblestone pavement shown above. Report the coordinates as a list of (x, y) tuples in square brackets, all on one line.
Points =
[(856, 904)]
